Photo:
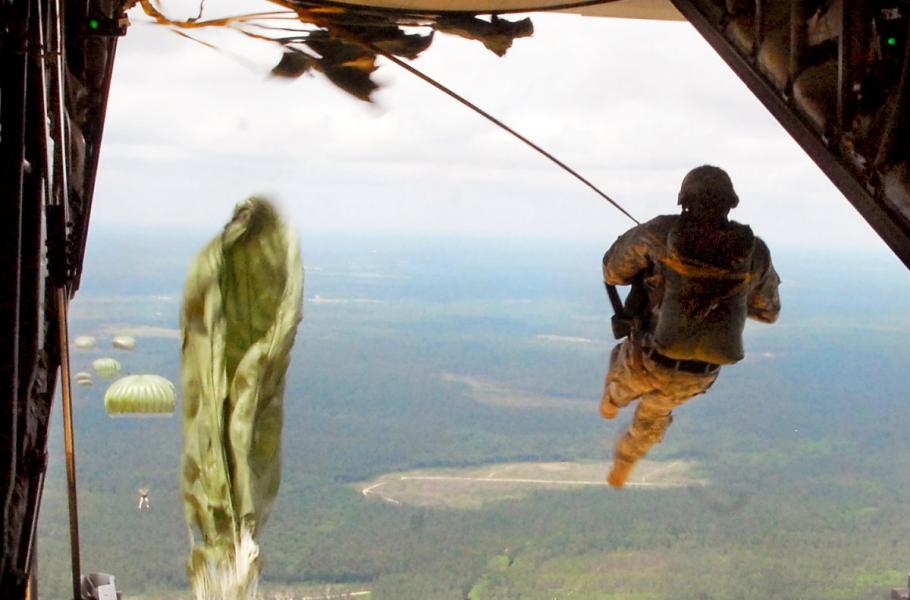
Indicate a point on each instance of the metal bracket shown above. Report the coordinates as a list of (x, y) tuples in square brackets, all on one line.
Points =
[(58, 244)]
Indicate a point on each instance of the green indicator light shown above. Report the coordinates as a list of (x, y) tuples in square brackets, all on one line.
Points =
[(891, 41), (93, 24)]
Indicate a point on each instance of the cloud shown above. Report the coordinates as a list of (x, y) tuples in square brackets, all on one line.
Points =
[(549, 337), (630, 104), (317, 299), (143, 331), (374, 275)]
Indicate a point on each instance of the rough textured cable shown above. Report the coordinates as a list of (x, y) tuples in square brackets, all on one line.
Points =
[(496, 122)]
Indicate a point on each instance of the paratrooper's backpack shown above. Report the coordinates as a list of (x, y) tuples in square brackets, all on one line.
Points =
[(707, 272)]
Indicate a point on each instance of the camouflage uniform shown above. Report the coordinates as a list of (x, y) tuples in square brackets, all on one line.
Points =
[(635, 372)]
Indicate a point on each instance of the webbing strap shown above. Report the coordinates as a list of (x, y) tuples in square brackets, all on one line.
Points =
[(618, 308), (690, 268)]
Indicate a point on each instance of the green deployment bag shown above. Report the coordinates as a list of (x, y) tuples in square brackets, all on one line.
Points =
[(241, 307)]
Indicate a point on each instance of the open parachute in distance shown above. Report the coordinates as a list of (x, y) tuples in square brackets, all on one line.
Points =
[(83, 378), (124, 342), (108, 368), (84, 342), (140, 395)]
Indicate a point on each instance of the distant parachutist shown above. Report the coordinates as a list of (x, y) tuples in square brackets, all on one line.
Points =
[(85, 342), (83, 378), (140, 395), (107, 368), (124, 342), (144, 506)]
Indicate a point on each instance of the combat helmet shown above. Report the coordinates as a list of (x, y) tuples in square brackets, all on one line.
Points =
[(707, 189)]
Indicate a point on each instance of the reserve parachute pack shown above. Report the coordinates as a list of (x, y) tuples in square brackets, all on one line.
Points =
[(707, 272)]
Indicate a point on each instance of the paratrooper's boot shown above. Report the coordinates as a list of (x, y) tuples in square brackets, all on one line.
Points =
[(608, 410), (620, 472)]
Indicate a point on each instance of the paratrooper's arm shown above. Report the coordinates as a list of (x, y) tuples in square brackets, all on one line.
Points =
[(628, 257), (764, 299)]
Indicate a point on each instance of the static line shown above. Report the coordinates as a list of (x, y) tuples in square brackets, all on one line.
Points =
[(495, 121)]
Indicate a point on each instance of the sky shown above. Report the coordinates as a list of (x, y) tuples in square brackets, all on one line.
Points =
[(632, 105)]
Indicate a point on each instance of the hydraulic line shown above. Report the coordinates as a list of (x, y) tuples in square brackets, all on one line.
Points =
[(69, 441)]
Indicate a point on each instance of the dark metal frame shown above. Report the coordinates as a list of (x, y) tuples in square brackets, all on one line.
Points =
[(45, 205), (44, 213), (24, 375), (860, 189)]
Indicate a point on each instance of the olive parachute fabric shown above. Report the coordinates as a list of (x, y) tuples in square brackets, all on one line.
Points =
[(85, 342), (108, 368), (83, 378), (124, 342), (140, 395), (242, 304)]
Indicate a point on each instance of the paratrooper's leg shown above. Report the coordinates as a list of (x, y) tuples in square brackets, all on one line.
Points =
[(653, 416), (646, 431), (624, 383)]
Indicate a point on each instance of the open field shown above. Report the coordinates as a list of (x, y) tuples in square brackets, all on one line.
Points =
[(803, 445), (278, 592), (472, 488), (492, 393)]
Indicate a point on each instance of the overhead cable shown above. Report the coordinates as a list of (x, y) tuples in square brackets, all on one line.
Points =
[(414, 71)]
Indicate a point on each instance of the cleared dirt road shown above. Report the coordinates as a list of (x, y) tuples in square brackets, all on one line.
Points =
[(470, 488)]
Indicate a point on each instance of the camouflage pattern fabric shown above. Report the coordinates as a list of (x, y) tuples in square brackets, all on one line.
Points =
[(242, 304), (643, 251), (658, 389), (643, 247)]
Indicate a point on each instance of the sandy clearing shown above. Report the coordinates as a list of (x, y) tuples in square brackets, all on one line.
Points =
[(473, 487), (491, 393)]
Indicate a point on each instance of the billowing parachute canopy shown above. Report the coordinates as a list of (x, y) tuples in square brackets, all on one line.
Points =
[(140, 395), (83, 378), (84, 342), (124, 342), (241, 306), (107, 368)]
